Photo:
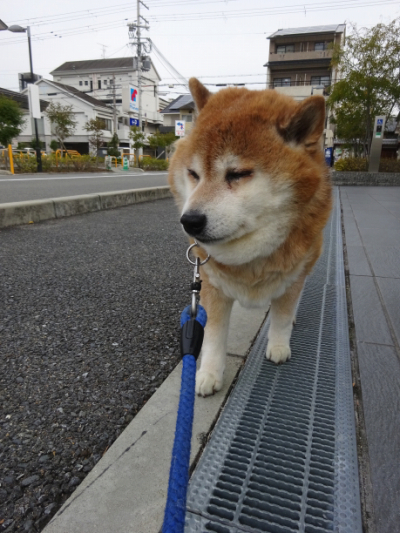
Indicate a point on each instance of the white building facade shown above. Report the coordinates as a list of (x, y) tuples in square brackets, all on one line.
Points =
[(114, 82), (84, 108)]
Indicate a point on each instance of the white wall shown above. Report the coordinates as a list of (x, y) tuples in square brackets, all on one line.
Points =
[(83, 112)]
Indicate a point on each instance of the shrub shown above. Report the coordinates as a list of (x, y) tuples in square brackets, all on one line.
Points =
[(351, 164), (360, 164), (150, 163), (83, 163), (25, 164), (389, 165)]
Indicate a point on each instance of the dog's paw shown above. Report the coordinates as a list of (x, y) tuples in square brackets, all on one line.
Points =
[(278, 353), (207, 383)]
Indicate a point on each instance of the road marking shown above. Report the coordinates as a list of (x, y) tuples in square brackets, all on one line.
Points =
[(86, 177)]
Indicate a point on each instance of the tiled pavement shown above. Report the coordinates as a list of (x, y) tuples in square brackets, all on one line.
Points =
[(372, 232)]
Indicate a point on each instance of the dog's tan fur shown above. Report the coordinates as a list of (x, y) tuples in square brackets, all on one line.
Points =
[(264, 228)]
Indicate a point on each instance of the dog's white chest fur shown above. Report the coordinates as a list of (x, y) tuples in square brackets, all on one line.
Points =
[(257, 294)]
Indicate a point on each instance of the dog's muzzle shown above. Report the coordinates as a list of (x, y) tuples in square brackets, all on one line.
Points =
[(194, 223)]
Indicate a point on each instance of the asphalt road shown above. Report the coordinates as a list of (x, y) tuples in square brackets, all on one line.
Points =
[(22, 187), (89, 327)]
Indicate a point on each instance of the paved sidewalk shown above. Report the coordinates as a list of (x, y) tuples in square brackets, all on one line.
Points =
[(372, 233), (127, 489)]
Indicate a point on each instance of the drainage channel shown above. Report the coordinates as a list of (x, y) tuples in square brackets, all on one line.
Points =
[(282, 457)]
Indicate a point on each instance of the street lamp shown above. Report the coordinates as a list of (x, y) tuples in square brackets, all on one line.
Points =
[(19, 29)]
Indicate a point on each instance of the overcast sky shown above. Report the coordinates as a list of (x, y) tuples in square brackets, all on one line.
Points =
[(219, 41)]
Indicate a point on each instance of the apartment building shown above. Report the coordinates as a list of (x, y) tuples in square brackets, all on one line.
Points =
[(301, 57), (299, 63)]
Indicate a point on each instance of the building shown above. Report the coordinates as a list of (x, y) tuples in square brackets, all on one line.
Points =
[(300, 58), (84, 108), (114, 81), (182, 108), (299, 63)]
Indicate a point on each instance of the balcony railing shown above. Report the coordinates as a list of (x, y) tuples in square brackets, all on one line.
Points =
[(301, 56)]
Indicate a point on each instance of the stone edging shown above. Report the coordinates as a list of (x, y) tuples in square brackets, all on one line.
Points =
[(365, 178), (15, 213)]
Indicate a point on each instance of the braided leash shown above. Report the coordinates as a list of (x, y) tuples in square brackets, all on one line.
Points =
[(193, 321)]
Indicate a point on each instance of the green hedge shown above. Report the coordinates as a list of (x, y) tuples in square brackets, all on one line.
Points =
[(351, 164), (360, 164), (83, 163), (151, 163)]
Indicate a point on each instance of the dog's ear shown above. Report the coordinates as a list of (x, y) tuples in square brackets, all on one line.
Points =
[(307, 123), (199, 92)]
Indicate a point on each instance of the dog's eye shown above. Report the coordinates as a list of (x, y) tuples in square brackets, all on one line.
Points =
[(235, 175), (193, 174)]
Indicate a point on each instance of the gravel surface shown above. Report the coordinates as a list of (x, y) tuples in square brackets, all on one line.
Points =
[(89, 329)]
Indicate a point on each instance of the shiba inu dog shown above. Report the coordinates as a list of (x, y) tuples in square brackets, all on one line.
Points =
[(253, 188)]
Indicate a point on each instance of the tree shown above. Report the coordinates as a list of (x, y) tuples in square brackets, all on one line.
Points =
[(137, 137), (113, 146), (161, 140), (96, 128), (368, 67), (62, 121), (31, 144), (11, 120), (54, 145)]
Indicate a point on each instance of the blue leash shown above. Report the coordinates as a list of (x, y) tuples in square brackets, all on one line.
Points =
[(193, 321), (191, 341)]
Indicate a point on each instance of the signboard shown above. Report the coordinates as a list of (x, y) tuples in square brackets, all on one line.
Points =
[(379, 128), (34, 103), (130, 99), (180, 128), (134, 122), (134, 99)]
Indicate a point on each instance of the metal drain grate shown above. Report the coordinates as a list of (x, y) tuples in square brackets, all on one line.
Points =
[(282, 457)]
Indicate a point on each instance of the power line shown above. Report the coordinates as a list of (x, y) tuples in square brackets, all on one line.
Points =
[(281, 10), (174, 17)]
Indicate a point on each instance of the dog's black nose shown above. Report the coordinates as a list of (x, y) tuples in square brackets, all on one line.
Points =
[(193, 222)]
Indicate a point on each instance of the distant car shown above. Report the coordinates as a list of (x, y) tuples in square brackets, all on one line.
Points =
[(28, 152), (32, 152)]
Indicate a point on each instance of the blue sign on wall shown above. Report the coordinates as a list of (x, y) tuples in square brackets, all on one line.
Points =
[(133, 122)]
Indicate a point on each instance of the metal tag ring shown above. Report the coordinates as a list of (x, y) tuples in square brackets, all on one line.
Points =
[(188, 252)]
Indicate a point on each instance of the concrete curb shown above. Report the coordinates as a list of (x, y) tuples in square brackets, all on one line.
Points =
[(365, 178), (16, 213)]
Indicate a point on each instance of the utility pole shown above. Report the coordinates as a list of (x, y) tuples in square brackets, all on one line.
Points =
[(140, 47), (114, 105), (139, 58), (38, 146)]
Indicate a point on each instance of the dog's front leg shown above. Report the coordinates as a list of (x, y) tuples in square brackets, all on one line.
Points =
[(283, 314), (209, 377)]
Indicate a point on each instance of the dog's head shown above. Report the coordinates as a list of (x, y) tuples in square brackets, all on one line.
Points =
[(250, 163)]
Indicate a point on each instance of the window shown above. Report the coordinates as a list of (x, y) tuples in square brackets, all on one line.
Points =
[(321, 80), (105, 82), (282, 82), (86, 83), (323, 46), (99, 84), (81, 83), (106, 123), (284, 48), (187, 118)]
